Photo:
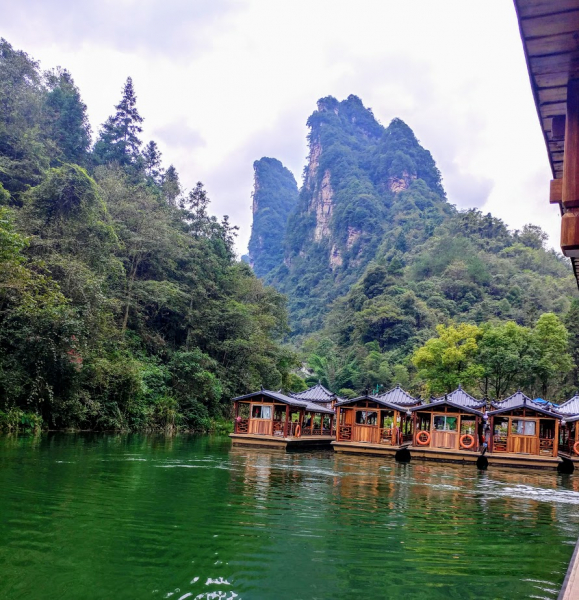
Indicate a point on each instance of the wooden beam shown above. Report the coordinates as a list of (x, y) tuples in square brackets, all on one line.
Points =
[(558, 127), (556, 191), (570, 233), (570, 195)]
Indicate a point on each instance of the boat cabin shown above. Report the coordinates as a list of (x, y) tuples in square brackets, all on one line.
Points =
[(317, 394), (451, 422), (569, 429), (521, 426), (268, 414), (371, 420)]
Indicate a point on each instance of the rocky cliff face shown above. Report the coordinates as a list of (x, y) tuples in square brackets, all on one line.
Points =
[(361, 184), (275, 195)]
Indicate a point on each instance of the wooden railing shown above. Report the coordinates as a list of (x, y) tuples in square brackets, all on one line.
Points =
[(546, 446), (499, 443), (519, 444), (385, 436), (242, 426), (260, 426), (345, 433)]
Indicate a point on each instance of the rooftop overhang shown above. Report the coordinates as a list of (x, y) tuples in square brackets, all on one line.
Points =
[(436, 406), (550, 34), (382, 403)]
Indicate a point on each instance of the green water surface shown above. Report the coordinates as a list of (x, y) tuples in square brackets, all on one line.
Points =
[(135, 516)]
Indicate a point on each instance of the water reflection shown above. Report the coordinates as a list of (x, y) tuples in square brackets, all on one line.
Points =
[(128, 516)]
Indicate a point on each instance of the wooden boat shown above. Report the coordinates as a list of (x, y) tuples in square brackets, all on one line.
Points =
[(379, 424), (275, 420)]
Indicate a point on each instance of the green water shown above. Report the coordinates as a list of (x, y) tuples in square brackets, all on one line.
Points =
[(134, 516)]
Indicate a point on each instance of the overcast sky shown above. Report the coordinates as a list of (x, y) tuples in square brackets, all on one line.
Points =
[(221, 83)]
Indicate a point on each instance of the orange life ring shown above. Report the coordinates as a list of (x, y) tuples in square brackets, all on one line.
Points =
[(298, 431), (576, 447), (472, 441), (423, 441)]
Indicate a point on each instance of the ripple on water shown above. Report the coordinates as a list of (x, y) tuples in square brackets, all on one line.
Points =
[(186, 517)]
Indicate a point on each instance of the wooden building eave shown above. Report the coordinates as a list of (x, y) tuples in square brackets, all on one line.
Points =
[(550, 34)]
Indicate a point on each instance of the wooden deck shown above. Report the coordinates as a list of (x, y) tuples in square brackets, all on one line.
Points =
[(289, 443), (570, 589), (502, 459)]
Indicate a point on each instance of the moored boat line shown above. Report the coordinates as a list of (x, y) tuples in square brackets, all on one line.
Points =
[(457, 427)]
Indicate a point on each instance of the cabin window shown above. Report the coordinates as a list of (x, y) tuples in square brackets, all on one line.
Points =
[(444, 423), (387, 421), (243, 410), (467, 426), (520, 427), (259, 411), (366, 417)]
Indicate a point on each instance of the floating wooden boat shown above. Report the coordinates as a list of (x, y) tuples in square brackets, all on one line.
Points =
[(275, 420)]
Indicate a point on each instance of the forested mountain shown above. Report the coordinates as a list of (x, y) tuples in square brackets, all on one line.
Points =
[(275, 196), (121, 302), (375, 257), (365, 186)]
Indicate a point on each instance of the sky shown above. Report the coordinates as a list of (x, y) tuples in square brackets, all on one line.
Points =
[(221, 83)]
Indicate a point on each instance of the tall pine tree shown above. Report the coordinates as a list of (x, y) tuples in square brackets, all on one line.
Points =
[(67, 118), (119, 137)]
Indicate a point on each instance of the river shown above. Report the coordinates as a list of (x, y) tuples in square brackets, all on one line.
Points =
[(85, 516)]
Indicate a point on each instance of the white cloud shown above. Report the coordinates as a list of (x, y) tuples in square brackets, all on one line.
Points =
[(222, 83)]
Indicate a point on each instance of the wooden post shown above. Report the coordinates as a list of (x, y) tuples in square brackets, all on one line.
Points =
[(556, 440), (414, 428), (236, 408), (491, 434), (338, 423), (285, 425), (570, 195)]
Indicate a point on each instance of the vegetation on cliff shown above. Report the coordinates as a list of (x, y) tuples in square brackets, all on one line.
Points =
[(275, 196)]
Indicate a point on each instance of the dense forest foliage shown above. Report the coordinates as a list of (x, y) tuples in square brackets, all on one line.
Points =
[(122, 304), (375, 258)]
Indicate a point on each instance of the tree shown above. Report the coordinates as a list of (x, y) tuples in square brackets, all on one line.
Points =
[(572, 323), (23, 154), (450, 359), (119, 137), (171, 186), (551, 343), (68, 122), (506, 355), (152, 162)]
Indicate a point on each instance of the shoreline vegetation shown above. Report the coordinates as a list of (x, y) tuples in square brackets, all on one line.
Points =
[(19, 422)]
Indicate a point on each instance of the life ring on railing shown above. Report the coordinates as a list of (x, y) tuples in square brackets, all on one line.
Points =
[(423, 438), (576, 447), (298, 431), (464, 437)]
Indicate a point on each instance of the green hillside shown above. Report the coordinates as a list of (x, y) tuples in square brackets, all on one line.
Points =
[(122, 304)]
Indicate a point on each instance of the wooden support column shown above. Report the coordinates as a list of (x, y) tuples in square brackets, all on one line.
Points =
[(285, 425), (570, 194), (491, 434), (414, 428), (338, 409), (236, 408), (556, 440)]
